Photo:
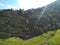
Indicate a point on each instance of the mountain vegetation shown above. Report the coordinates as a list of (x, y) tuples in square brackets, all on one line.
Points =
[(29, 23), (55, 40)]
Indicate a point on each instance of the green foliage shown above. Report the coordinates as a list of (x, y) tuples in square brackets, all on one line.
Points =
[(11, 41), (3, 42), (56, 39), (16, 41), (33, 41), (30, 23), (36, 40)]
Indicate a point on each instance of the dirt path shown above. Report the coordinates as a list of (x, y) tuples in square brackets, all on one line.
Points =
[(45, 41)]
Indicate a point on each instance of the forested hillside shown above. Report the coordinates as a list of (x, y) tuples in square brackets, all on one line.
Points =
[(29, 23), (38, 40)]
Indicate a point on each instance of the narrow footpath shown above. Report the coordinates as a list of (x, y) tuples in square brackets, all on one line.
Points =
[(45, 41)]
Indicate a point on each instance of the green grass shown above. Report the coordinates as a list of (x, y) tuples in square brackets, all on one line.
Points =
[(14, 41), (33, 41), (56, 39), (36, 40)]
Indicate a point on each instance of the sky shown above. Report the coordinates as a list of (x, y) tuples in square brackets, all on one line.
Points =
[(23, 4)]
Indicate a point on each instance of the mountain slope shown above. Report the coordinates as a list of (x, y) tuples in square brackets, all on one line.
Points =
[(29, 23), (55, 40)]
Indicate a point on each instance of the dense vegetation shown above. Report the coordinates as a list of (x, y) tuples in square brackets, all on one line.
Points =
[(29, 23), (55, 40)]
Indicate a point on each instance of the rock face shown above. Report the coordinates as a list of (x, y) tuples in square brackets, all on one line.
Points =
[(29, 23)]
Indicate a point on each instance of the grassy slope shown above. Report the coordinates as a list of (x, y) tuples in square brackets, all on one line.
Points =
[(33, 41), (36, 40), (11, 41), (56, 39)]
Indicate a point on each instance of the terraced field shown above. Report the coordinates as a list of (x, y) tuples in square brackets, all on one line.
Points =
[(55, 40), (43, 39)]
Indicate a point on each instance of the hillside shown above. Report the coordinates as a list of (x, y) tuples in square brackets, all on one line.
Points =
[(29, 23), (55, 40)]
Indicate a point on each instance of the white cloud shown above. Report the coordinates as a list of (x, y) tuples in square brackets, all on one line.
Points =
[(2, 4), (28, 4)]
